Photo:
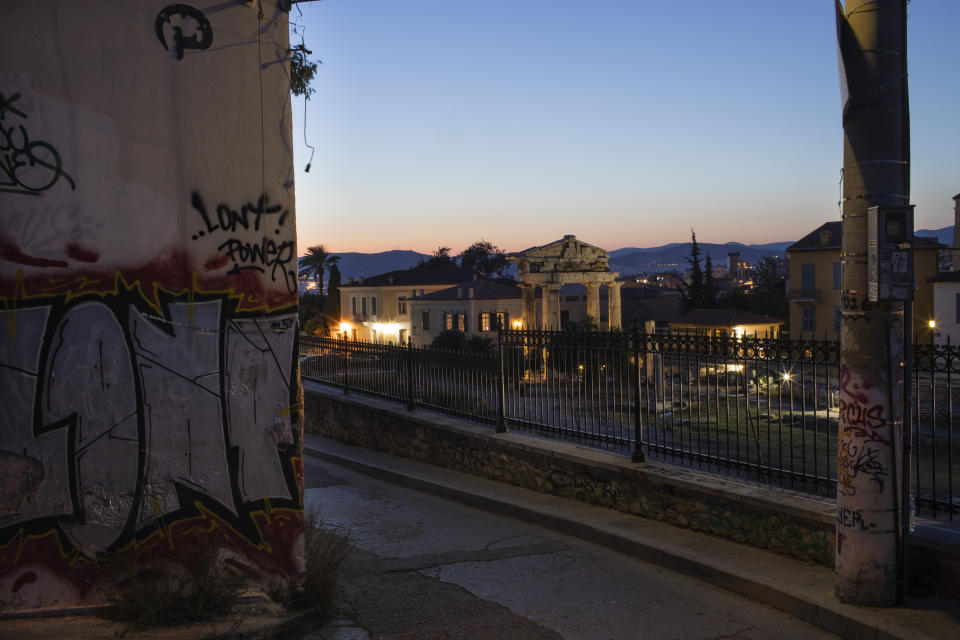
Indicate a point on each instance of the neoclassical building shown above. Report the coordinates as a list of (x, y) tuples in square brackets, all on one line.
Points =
[(565, 261)]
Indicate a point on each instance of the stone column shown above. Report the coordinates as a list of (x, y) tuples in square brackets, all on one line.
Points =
[(613, 305), (551, 307), (529, 306), (593, 300)]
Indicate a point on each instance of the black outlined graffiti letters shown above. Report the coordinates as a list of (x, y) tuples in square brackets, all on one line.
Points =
[(131, 418), (265, 254), (27, 167)]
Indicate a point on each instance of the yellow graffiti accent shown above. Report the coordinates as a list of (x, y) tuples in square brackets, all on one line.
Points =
[(285, 411), (151, 294)]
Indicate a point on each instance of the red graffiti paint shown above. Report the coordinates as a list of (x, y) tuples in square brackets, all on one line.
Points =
[(216, 262), (851, 390), (13, 253), (82, 254), (179, 542), (26, 578), (172, 271)]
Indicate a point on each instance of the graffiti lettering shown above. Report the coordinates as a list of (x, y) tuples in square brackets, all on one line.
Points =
[(856, 415), (179, 42), (853, 518), (851, 389), (863, 422), (231, 220), (263, 256), (856, 459), (27, 167), (182, 406)]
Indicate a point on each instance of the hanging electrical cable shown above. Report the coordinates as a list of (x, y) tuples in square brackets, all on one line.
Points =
[(302, 70)]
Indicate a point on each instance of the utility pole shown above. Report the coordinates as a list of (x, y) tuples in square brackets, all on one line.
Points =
[(873, 47)]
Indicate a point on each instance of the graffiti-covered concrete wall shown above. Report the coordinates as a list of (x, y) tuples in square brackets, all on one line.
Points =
[(150, 401)]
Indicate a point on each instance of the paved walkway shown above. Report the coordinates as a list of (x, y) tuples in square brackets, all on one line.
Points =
[(427, 567), (801, 590)]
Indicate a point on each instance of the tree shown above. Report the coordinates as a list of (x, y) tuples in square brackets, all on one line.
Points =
[(709, 286), (440, 258), (768, 293), (302, 70), (332, 308), (692, 292), (310, 311), (315, 263), (485, 258)]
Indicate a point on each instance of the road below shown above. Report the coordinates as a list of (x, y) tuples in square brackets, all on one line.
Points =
[(424, 567)]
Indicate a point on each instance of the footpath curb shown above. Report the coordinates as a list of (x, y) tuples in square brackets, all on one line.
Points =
[(802, 590)]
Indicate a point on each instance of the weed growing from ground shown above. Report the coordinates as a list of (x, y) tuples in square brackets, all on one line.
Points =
[(164, 593), (325, 549)]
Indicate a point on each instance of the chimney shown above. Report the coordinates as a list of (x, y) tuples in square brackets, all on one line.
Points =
[(390, 279), (825, 237), (360, 280), (350, 281)]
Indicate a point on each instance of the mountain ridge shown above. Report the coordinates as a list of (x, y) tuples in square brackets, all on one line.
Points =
[(627, 260)]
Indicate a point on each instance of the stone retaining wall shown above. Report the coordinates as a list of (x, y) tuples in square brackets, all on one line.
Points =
[(783, 522)]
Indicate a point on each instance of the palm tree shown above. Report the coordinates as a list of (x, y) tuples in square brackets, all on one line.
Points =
[(315, 263)]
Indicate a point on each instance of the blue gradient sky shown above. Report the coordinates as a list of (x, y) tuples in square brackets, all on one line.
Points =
[(625, 122)]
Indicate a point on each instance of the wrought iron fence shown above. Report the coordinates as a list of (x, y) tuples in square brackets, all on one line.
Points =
[(754, 408)]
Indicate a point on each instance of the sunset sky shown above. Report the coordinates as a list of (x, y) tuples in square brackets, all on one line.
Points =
[(624, 122)]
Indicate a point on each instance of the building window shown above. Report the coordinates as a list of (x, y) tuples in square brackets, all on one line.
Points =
[(502, 319), (485, 321), (808, 280), (373, 306), (836, 276), (448, 320), (564, 318), (958, 308), (837, 320), (426, 320), (353, 307), (808, 321), (363, 306), (462, 322), (401, 306)]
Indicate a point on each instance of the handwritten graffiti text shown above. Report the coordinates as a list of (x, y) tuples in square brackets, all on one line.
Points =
[(27, 167), (265, 255)]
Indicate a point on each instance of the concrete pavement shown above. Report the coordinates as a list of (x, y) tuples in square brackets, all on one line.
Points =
[(427, 567), (801, 590)]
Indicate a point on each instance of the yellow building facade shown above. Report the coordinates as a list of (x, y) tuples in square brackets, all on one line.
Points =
[(814, 285)]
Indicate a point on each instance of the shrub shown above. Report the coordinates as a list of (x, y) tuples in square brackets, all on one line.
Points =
[(164, 593), (325, 549)]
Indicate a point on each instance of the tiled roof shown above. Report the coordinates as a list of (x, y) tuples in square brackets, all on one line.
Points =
[(414, 277), (811, 241), (482, 290), (724, 318)]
